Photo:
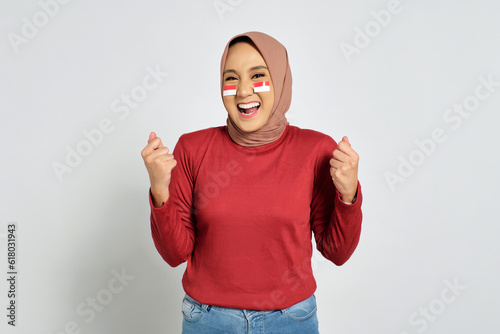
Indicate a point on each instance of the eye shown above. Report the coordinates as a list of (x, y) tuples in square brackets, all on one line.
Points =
[(258, 75), (230, 79)]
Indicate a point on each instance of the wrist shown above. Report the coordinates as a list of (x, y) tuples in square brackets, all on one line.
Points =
[(348, 199), (159, 197)]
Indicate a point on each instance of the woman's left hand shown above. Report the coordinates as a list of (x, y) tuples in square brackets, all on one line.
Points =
[(344, 170)]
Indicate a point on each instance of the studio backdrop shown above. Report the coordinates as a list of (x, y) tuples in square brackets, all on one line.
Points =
[(414, 84)]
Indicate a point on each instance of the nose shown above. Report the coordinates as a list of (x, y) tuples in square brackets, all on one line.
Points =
[(245, 88)]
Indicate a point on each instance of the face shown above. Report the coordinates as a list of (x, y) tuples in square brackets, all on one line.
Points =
[(245, 66)]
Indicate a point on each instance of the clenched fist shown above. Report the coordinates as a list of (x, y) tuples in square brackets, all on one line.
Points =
[(159, 164), (344, 170)]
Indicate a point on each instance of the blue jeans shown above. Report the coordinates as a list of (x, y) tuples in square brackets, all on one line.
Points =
[(208, 319)]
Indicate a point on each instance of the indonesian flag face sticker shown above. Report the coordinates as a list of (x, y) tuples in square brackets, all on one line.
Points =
[(229, 90), (258, 87), (261, 87)]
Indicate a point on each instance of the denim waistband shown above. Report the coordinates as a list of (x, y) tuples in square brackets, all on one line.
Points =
[(206, 307)]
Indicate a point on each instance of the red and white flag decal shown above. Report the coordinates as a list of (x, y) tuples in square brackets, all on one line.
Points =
[(261, 87), (229, 90)]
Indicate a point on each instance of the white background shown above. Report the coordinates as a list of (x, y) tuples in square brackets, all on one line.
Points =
[(439, 224)]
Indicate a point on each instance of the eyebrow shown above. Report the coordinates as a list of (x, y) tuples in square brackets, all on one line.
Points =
[(258, 67)]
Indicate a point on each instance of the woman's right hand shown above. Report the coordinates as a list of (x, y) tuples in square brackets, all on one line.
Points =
[(159, 164)]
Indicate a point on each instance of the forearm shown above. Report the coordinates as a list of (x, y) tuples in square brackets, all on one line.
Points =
[(173, 238), (159, 196), (340, 237)]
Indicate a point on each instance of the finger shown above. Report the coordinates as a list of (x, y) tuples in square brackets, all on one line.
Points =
[(161, 153), (345, 147), (336, 173), (156, 143), (158, 157), (153, 145), (345, 139), (168, 165), (335, 163), (340, 156), (152, 136)]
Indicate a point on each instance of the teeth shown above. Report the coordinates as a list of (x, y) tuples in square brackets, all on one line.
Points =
[(244, 112), (248, 105)]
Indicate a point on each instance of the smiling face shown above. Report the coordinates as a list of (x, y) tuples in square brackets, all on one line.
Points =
[(245, 66)]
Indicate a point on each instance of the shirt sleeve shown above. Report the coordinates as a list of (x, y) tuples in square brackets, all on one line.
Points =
[(173, 225), (336, 224)]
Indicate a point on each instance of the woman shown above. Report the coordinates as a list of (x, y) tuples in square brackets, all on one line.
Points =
[(245, 199)]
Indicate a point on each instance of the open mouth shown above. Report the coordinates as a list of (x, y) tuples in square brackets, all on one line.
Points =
[(248, 108)]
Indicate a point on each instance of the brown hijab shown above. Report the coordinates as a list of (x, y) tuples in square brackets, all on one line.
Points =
[(276, 58)]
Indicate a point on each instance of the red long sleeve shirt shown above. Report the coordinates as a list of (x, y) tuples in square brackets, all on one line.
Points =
[(243, 217)]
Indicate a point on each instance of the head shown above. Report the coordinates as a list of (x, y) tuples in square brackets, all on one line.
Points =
[(245, 66), (250, 58)]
